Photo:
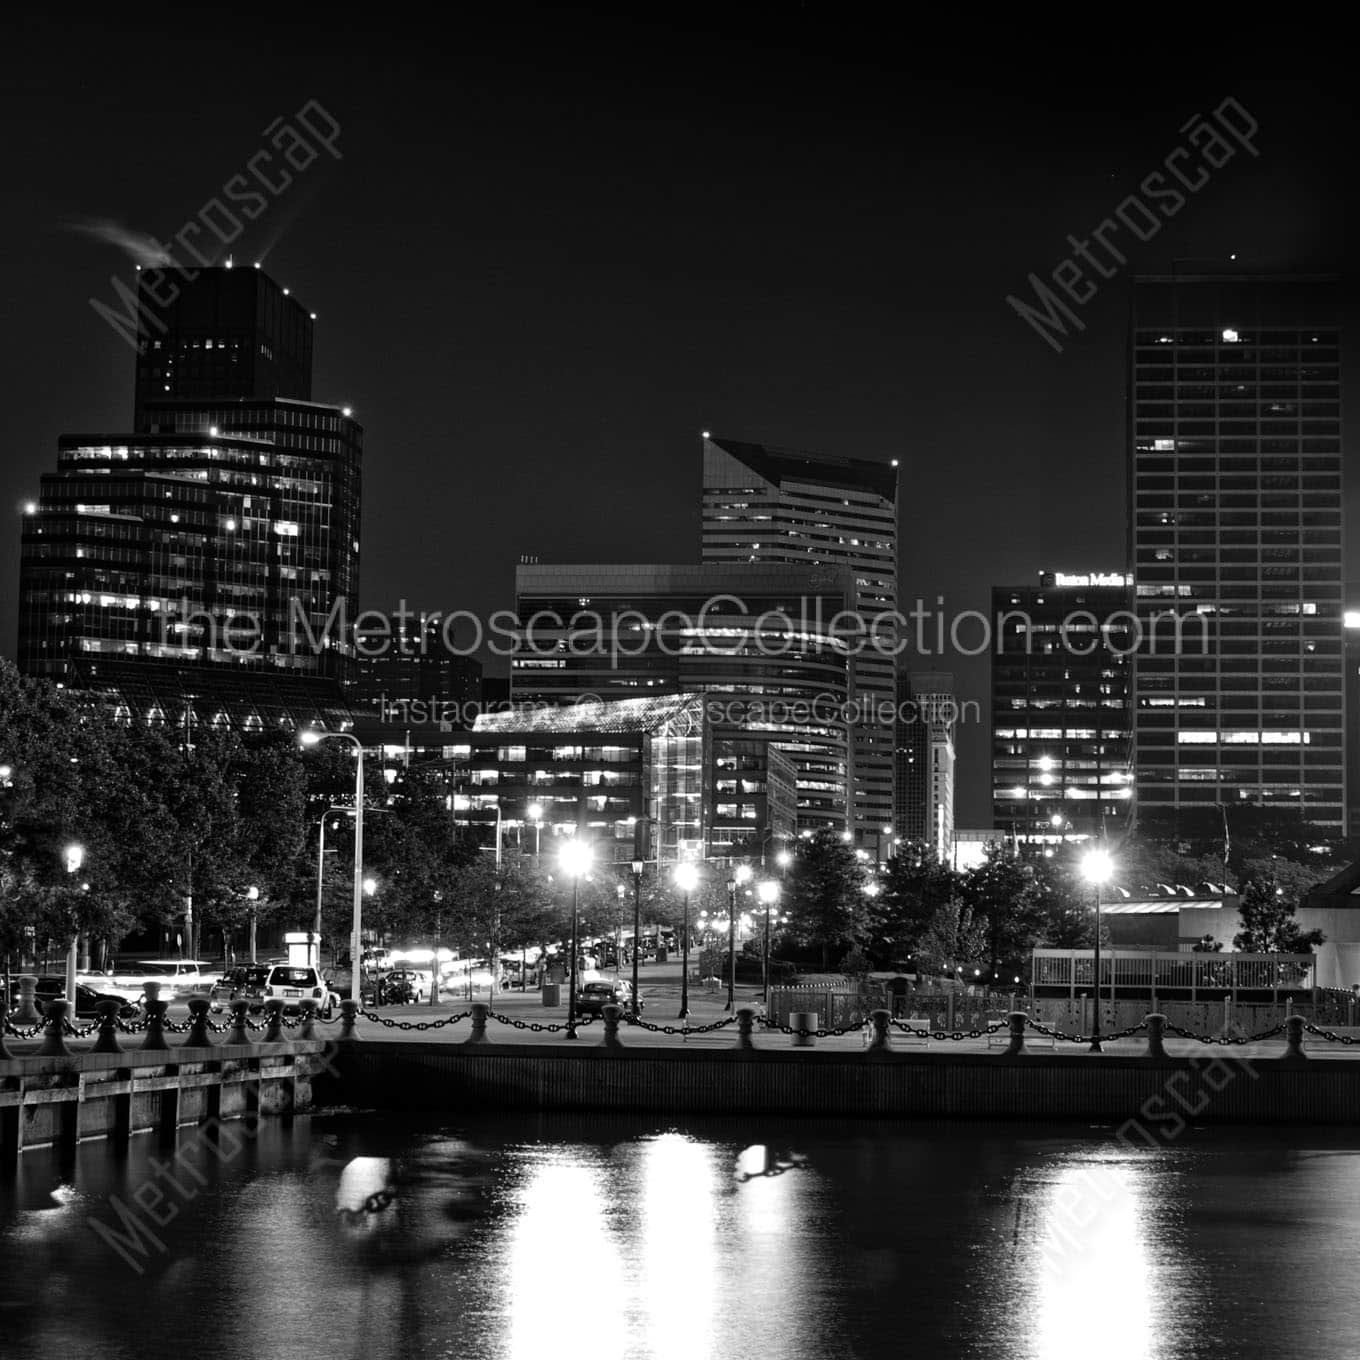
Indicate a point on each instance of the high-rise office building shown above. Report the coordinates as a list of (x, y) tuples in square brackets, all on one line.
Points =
[(1061, 720), (1236, 498), (926, 714), (219, 334), (758, 641), (407, 672), (762, 504), (207, 563)]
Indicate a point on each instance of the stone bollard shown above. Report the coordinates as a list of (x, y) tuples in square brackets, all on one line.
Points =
[(308, 1030), (28, 1013), (198, 1036), (155, 1020), (1017, 1021), (746, 1019), (611, 1027), (803, 1020), (1293, 1039), (1156, 1027), (107, 1042), (349, 1015), (54, 1038), (274, 1033), (238, 1033), (879, 1042), (481, 1012)]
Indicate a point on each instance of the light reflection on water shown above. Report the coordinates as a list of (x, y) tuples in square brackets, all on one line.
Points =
[(621, 1240)]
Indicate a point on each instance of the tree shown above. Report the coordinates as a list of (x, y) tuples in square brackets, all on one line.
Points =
[(1006, 892), (1268, 925), (914, 888), (825, 894), (955, 940)]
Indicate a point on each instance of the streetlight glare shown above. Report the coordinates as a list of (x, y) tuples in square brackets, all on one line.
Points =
[(783, 859), (743, 874), (309, 737), (576, 857), (535, 812), (75, 857), (1097, 867), (768, 892), (686, 876), (370, 886)]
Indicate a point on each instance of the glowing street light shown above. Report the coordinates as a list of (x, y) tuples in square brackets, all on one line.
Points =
[(1097, 868), (310, 738), (768, 892), (741, 875), (686, 879), (534, 812), (74, 855), (575, 858)]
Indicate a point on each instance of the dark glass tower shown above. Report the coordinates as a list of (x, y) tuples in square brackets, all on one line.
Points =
[(218, 334), (207, 564), (1235, 468)]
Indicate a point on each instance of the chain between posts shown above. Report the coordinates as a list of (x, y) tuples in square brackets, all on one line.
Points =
[(537, 1026), (414, 1024), (1082, 1038), (1225, 1040), (683, 1030), (1327, 1034), (955, 1034), (374, 1204), (834, 1033)]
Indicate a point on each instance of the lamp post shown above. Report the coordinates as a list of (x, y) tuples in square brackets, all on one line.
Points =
[(534, 812), (320, 867), (575, 859), (75, 857), (740, 876), (252, 896), (312, 738), (1097, 868), (637, 928), (768, 892), (686, 879)]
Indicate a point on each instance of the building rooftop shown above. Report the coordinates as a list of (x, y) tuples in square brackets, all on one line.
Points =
[(778, 465), (607, 717)]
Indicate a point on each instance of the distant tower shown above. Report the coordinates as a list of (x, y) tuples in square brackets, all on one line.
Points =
[(926, 716), (763, 504)]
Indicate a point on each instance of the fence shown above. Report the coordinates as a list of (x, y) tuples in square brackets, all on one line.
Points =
[(1145, 974), (841, 1003)]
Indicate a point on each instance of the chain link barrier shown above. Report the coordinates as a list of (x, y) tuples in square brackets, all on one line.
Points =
[(834, 1033), (15, 1032), (1043, 1029), (952, 1034), (684, 1029), (1223, 1040), (1328, 1035), (409, 1025), (374, 1204), (538, 1026)]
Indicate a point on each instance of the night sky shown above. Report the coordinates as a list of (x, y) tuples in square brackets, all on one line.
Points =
[(554, 251)]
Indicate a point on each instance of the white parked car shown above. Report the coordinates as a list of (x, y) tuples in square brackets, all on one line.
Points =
[(178, 978), (293, 986)]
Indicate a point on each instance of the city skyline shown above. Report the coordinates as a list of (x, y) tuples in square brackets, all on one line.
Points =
[(863, 354)]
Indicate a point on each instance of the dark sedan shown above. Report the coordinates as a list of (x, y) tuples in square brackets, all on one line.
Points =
[(595, 996), (50, 988)]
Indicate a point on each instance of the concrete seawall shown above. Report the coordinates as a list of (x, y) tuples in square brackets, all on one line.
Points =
[(1217, 1087)]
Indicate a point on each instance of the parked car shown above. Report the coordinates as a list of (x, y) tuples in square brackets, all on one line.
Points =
[(403, 986), (87, 998), (178, 978), (595, 996), (246, 982), (293, 985)]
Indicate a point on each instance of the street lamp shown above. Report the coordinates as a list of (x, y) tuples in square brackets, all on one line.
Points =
[(637, 928), (253, 896), (686, 879), (75, 857), (575, 858), (1097, 868), (768, 892), (783, 859), (320, 866), (312, 738), (741, 875), (534, 812)]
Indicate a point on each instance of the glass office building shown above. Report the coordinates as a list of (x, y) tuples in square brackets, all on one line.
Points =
[(1235, 467)]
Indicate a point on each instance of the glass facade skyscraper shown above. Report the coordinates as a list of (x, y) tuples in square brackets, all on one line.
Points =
[(208, 561), (763, 504), (1235, 465)]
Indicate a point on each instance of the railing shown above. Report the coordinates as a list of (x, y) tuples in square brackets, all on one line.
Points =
[(1148, 974)]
